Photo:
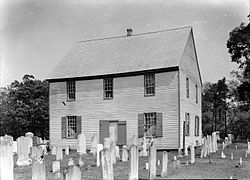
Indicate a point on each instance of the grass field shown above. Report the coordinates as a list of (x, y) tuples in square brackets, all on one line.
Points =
[(217, 169)]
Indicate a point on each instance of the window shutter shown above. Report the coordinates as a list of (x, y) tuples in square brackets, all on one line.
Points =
[(78, 125), (158, 124), (140, 125), (198, 126), (122, 136), (64, 127)]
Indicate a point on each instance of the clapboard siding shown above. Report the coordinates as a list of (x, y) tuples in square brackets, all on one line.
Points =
[(189, 68), (128, 101)]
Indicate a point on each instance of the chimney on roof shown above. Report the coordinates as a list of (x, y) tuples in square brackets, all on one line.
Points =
[(129, 32)]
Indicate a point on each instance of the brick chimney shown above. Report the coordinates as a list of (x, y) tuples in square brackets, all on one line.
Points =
[(129, 32)]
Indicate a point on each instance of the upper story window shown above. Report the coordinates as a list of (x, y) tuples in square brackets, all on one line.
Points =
[(187, 87), (149, 85), (71, 90), (108, 88), (196, 93)]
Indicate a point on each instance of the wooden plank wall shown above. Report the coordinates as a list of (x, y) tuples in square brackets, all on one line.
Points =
[(128, 102)]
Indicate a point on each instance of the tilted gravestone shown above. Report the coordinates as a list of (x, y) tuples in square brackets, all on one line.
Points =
[(107, 165), (133, 162), (6, 158)]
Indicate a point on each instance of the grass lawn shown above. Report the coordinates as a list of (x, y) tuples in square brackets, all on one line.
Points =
[(218, 168)]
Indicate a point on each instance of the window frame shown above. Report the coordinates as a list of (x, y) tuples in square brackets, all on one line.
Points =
[(108, 90), (67, 126), (151, 85), (197, 126), (71, 90), (187, 124), (151, 124), (187, 87)]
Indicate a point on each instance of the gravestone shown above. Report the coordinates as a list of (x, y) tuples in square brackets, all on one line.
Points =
[(205, 147), (53, 150), (38, 169), (56, 166), (23, 149), (214, 134), (81, 144), (14, 147), (133, 162), (81, 161), (117, 152), (94, 142), (35, 140), (241, 161), (164, 170), (107, 165), (146, 166), (71, 162), (29, 134), (179, 153), (44, 148), (232, 157), (226, 141), (186, 151), (223, 145), (144, 147), (59, 154), (99, 148), (106, 143), (202, 150), (248, 147), (212, 144), (112, 148), (6, 158), (192, 154), (124, 153), (223, 156), (230, 138), (73, 173), (152, 161), (66, 150)]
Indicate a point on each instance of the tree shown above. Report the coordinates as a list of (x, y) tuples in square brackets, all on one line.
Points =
[(238, 46), (26, 108)]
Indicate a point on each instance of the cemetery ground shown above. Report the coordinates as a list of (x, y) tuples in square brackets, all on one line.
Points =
[(202, 168)]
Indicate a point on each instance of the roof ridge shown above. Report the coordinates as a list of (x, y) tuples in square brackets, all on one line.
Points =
[(151, 32)]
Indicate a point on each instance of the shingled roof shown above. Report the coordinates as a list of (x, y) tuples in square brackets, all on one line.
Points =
[(124, 54)]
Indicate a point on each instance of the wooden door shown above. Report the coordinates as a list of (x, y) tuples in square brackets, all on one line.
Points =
[(122, 133)]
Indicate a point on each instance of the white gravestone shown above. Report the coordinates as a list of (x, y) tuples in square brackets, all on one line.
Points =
[(14, 147), (107, 165), (248, 147), (94, 142), (112, 148), (164, 170), (99, 148), (56, 166), (29, 134), (53, 150), (144, 147), (124, 153), (117, 152), (192, 154), (23, 148), (59, 154), (6, 158), (106, 143), (81, 144), (66, 150), (133, 162)]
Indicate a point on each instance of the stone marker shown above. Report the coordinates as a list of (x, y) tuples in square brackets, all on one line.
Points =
[(35, 140), (56, 166), (164, 170), (223, 156), (107, 167), (192, 154), (133, 162), (246, 154), (210, 144), (202, 150), (248, 147), (14, 147), (6, 158), (175, 158), (124, 153), (29, 134), (206, 147), (53, 150), (235, 146), (94, 142), (146, 166), (117, 152), (59, 154), (23, 149), (226, 141), (67, 150), (81, 161), (241, 161), (223, 145), (81, 144), (158, 162), (44, 148), (230, 138), (73, 173), (106, 143), (144, 147), (214, 137), (186, 151), (112, 148), (152, 161), (232, 157), (99, 148), (38, 169), (71, 162)]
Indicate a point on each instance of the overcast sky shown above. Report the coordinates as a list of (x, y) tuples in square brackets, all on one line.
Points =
[(36, 34)]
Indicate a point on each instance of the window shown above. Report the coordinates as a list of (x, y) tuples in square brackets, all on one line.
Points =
[(150, 125), (187, 87), (149, 85), (108, 88), (71, 126), (196, 93), (197, 125), (71, 90), (187, 124)]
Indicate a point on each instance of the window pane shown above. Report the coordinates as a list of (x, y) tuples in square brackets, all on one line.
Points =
[(71, 90), (149, 84), (150, 124), (71, 127), (108, 88)]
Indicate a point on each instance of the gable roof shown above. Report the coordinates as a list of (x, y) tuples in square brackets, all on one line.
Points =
[(124, 54)]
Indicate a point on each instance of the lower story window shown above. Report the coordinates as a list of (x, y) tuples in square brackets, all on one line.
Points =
[(150, 124), (71, 126)]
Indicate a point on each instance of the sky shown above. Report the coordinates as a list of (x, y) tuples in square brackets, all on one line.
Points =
[(36, 34)]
